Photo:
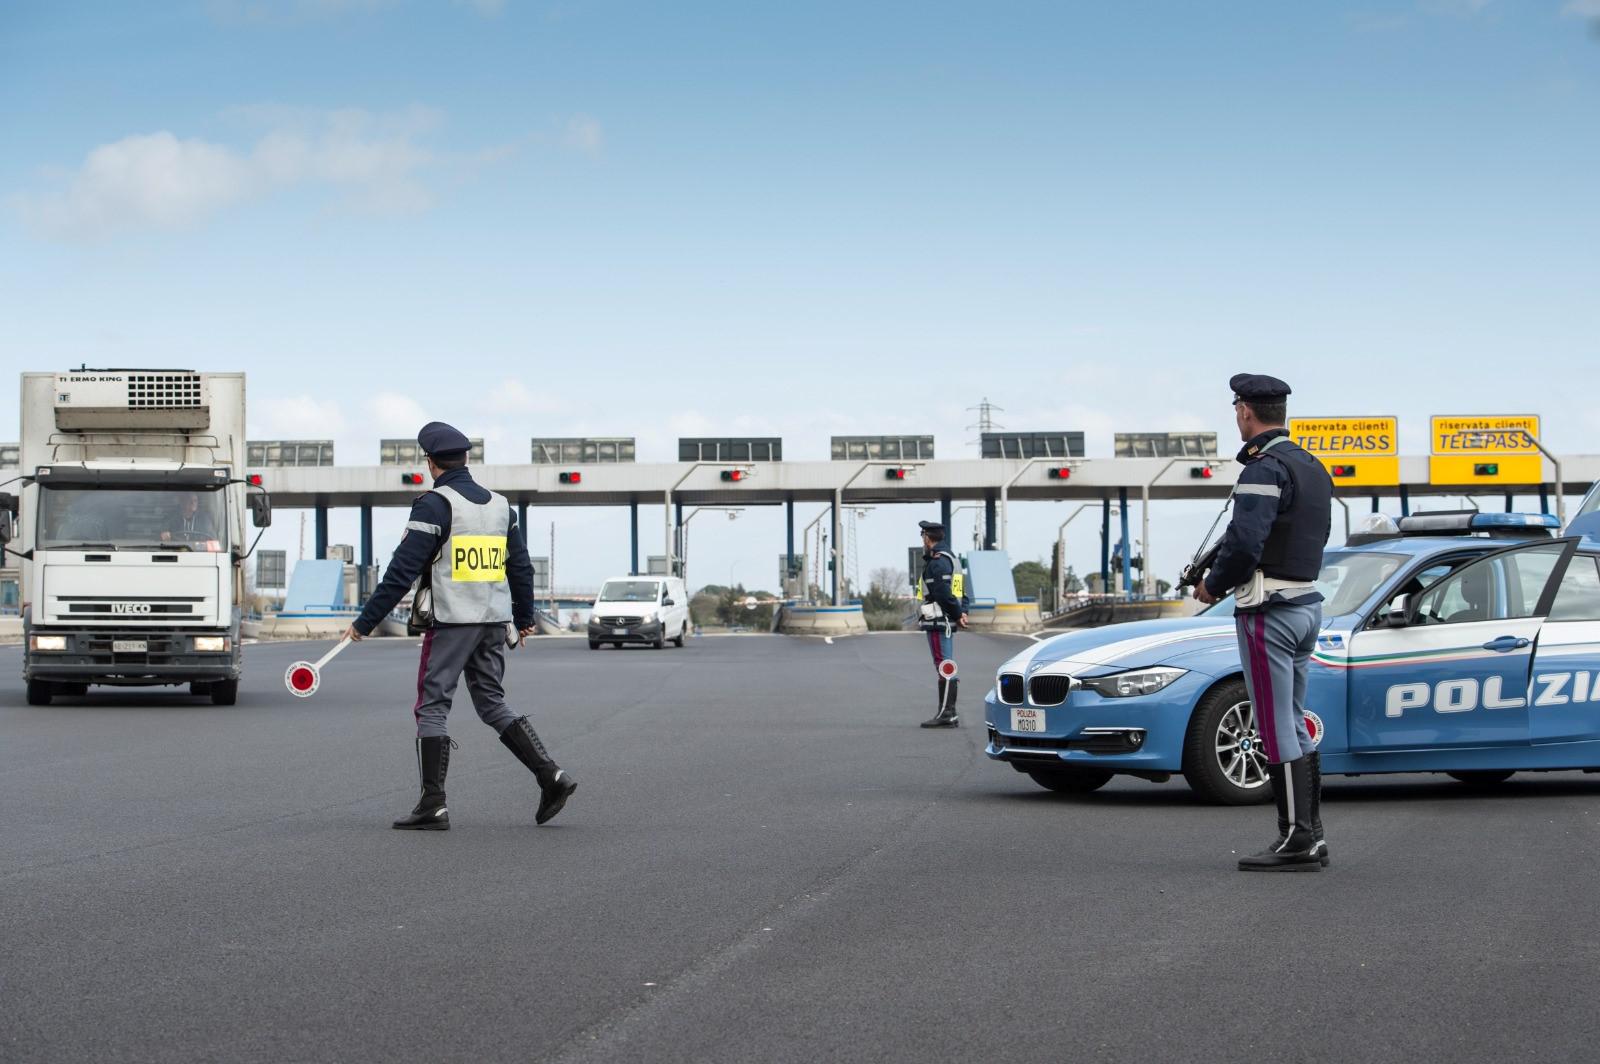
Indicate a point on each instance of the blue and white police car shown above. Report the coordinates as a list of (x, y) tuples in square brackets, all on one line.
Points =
[(1464, 643)]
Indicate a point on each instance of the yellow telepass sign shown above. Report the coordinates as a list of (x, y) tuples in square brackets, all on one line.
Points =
[(1488, 449), (1357, 452)]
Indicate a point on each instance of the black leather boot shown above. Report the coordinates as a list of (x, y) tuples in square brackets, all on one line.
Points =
[(946, 717), (433, 761), (555, 785), (1315, 760), (1295, 850)]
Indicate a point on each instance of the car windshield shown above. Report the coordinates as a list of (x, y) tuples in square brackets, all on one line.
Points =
[(132, 519), (1591, 503), (629, 591), (1348, 579)]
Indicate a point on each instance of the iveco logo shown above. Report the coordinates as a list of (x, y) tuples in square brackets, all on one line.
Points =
[(130, 607)]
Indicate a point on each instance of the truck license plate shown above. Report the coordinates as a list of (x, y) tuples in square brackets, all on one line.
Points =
[(129, 646), (1027, 720)]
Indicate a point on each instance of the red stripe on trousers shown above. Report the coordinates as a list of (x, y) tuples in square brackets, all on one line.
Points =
[(933, 644), (422, 671), (1266, 717)]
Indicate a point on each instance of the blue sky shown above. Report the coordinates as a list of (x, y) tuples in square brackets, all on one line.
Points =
[(650, 219)]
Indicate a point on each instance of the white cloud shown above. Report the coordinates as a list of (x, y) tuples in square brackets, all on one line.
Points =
[(585, 134), (512, 396), (396, 416), (160, 180), (296, 417), (1582, 9)]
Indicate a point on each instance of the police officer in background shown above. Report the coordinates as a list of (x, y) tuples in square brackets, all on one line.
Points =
[(943, 609), (1269, 558), (466, 540)]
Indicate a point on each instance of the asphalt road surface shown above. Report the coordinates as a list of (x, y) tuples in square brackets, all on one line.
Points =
[(766, 860)]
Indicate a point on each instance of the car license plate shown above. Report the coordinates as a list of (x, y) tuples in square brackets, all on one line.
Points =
[(619, 631), (1027, 720), (129, 646)]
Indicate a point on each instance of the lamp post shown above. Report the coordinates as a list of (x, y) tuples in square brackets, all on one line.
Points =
[(1144, 515), (666, 517), (733, 513), (1061, 551), (1561, 506), (838, 517), (1005, 488)]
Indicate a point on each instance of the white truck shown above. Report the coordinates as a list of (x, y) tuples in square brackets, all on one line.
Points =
[(130, 525)]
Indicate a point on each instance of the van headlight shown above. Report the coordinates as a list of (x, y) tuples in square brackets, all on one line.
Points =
[(210, 644), (1134, 682), (47, 642)]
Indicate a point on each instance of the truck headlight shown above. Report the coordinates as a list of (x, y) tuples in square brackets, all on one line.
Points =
[(47, 642), (210, 644), (1132, 683)]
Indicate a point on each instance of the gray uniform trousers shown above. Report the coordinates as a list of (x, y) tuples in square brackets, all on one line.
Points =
[(1275, 645), (449, 652)]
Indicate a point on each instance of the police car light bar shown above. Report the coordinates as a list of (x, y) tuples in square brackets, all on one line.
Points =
[(1465, 522), (573, 477)]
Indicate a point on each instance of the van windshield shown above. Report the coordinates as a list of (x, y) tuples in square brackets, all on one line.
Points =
[(630, 591), (132, 519)]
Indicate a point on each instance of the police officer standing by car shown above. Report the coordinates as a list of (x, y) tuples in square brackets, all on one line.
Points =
[(1269, 559), (943, 609), (464, 542)]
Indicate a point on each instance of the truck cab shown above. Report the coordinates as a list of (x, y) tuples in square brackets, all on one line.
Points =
[(133, 531)]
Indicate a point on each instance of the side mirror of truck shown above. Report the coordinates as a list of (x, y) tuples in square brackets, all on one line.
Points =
[(260, 509), (8, 526)]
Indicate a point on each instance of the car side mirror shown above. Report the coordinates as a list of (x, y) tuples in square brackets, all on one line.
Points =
[(1399, 612), (260, 509), (8, 526), (668, 601)]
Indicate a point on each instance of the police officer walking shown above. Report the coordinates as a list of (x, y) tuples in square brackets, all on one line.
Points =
[(464, 542), (943, 609), (1269, 559)]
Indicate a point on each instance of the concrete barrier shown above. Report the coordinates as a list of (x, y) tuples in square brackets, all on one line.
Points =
[(1004, 617), (10, 629), (822, 620), (303, 627)]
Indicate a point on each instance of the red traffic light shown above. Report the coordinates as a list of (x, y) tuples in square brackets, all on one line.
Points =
[(1343, 471), (254, 480), (411, 478), (733, 474), (572, 478), (1060, 472), (894, 474), (1202, 472)]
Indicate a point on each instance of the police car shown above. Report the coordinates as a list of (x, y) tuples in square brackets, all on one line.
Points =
[(1465, 643)]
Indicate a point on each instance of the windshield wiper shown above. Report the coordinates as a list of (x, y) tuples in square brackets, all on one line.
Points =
[(80, 546)]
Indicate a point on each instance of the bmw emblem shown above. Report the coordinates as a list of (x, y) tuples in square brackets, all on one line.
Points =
[(1245, 745)]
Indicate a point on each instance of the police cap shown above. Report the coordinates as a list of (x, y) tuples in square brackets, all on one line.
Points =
[(931, 528), (1258, 388), (439, 440)]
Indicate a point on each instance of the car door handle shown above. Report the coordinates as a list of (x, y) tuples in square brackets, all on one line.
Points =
[(1505, 643)]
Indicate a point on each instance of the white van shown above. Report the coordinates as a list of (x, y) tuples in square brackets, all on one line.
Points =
[(640, 609)]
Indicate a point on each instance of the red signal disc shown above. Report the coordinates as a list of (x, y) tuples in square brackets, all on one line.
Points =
[(303, 679), (947, 668)]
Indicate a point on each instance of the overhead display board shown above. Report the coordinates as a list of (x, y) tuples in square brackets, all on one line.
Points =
[(278, 453), (730, 449), (1485, 449), (1357, 452), (407, 453), (578, 450), (1166, 445), (893, 448), (1032, 445)]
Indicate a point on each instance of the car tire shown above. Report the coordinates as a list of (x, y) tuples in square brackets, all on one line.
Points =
[(594, 644), (40, 692), (660, 643), (1226, 708), (678, 640), (224, 692), (1488, 777), (1070, 780), (199, 689)]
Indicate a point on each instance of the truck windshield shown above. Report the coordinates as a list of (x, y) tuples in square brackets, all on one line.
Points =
[(132, 519), (629, 591)]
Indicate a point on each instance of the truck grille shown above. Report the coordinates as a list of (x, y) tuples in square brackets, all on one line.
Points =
[(1049, 690)]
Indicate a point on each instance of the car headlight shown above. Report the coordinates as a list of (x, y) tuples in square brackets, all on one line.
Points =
[(48, 642), (210, 644), (1133, 683)]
